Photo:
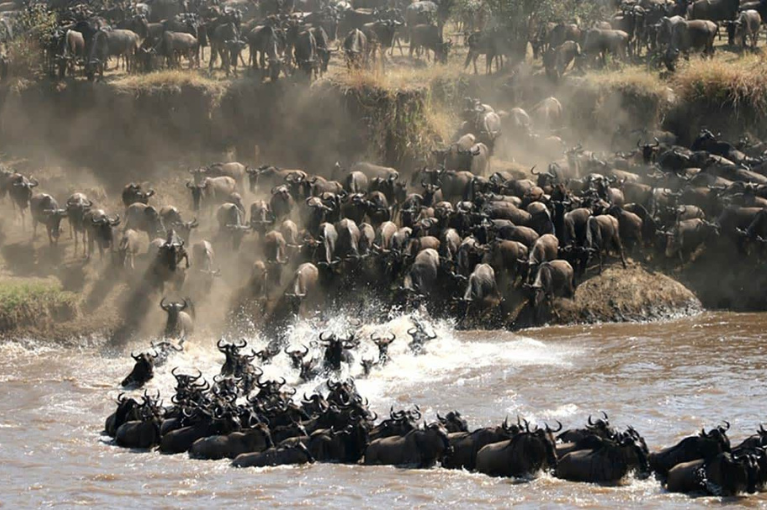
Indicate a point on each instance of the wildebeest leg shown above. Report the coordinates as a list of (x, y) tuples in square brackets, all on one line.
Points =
[(465, 62), (619, 245)]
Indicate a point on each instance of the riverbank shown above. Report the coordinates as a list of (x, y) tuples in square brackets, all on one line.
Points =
[(154, 127)]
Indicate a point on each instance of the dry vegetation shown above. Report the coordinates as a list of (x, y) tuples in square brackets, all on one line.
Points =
[(737, 82), (34, 304)]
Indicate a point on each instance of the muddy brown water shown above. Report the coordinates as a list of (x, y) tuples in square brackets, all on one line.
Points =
[(667, 379)]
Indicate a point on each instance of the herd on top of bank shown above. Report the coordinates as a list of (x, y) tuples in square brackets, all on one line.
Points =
[(285, 37)]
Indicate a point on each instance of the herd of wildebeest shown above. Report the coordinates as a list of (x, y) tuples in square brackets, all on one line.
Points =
[(255, 422), (452, 236), (284, 36)]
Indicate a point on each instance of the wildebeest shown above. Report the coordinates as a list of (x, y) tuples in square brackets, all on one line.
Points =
[(686, 36), (134, 193), (429, 38), (45, 210), (180, 323), (71, 50), (211, 191), (176, 45), (609, 461), (143, 370), (706, 446), (713, 10), (297, 454), (747, 26), (256, 439), (553, 279), (526, 453), (77, 205), (145, 218), (557, 60), (598, 43), (603, 234), (127, 249), (356, 49), (421, 447), (723, 475), (99, 230), (110, 43), (306, 55), (689, 235), (20, 191)]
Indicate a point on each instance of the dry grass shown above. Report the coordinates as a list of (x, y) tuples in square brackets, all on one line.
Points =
[(25, 303), (170, 80), (738, 83), (399, 78), (633, 80)]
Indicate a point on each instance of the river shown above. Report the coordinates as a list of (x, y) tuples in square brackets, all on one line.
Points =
[(667, 379)]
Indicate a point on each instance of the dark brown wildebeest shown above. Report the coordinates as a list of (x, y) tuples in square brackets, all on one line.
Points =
[(725, 475), (687, 36), (601, 42), (133, 193), (99, 229), (176, 45), (603, 234), (77, 205), (297, 454), (429, 38), (419, 447), (523, 455), (706, 446), (179, 324), (356, 49), (45, 210)]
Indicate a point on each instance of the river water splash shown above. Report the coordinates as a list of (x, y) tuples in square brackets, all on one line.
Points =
[(667, 379)]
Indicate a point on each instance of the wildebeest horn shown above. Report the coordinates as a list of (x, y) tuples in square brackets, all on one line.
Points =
[(727, 425), (548, 429), (163, 305), (532, 171), (605, 415), (134, 356), (590, 421)]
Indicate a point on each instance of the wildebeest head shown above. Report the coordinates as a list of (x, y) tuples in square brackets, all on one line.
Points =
[(22, 188), (453, 422), (383, 344), (260, 216), (103, 226), (197, 192), (133, 193), (173, 309), (443, 50), (143, 370), (53, 221), (297, 355), (335, 349), (172, 251)]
